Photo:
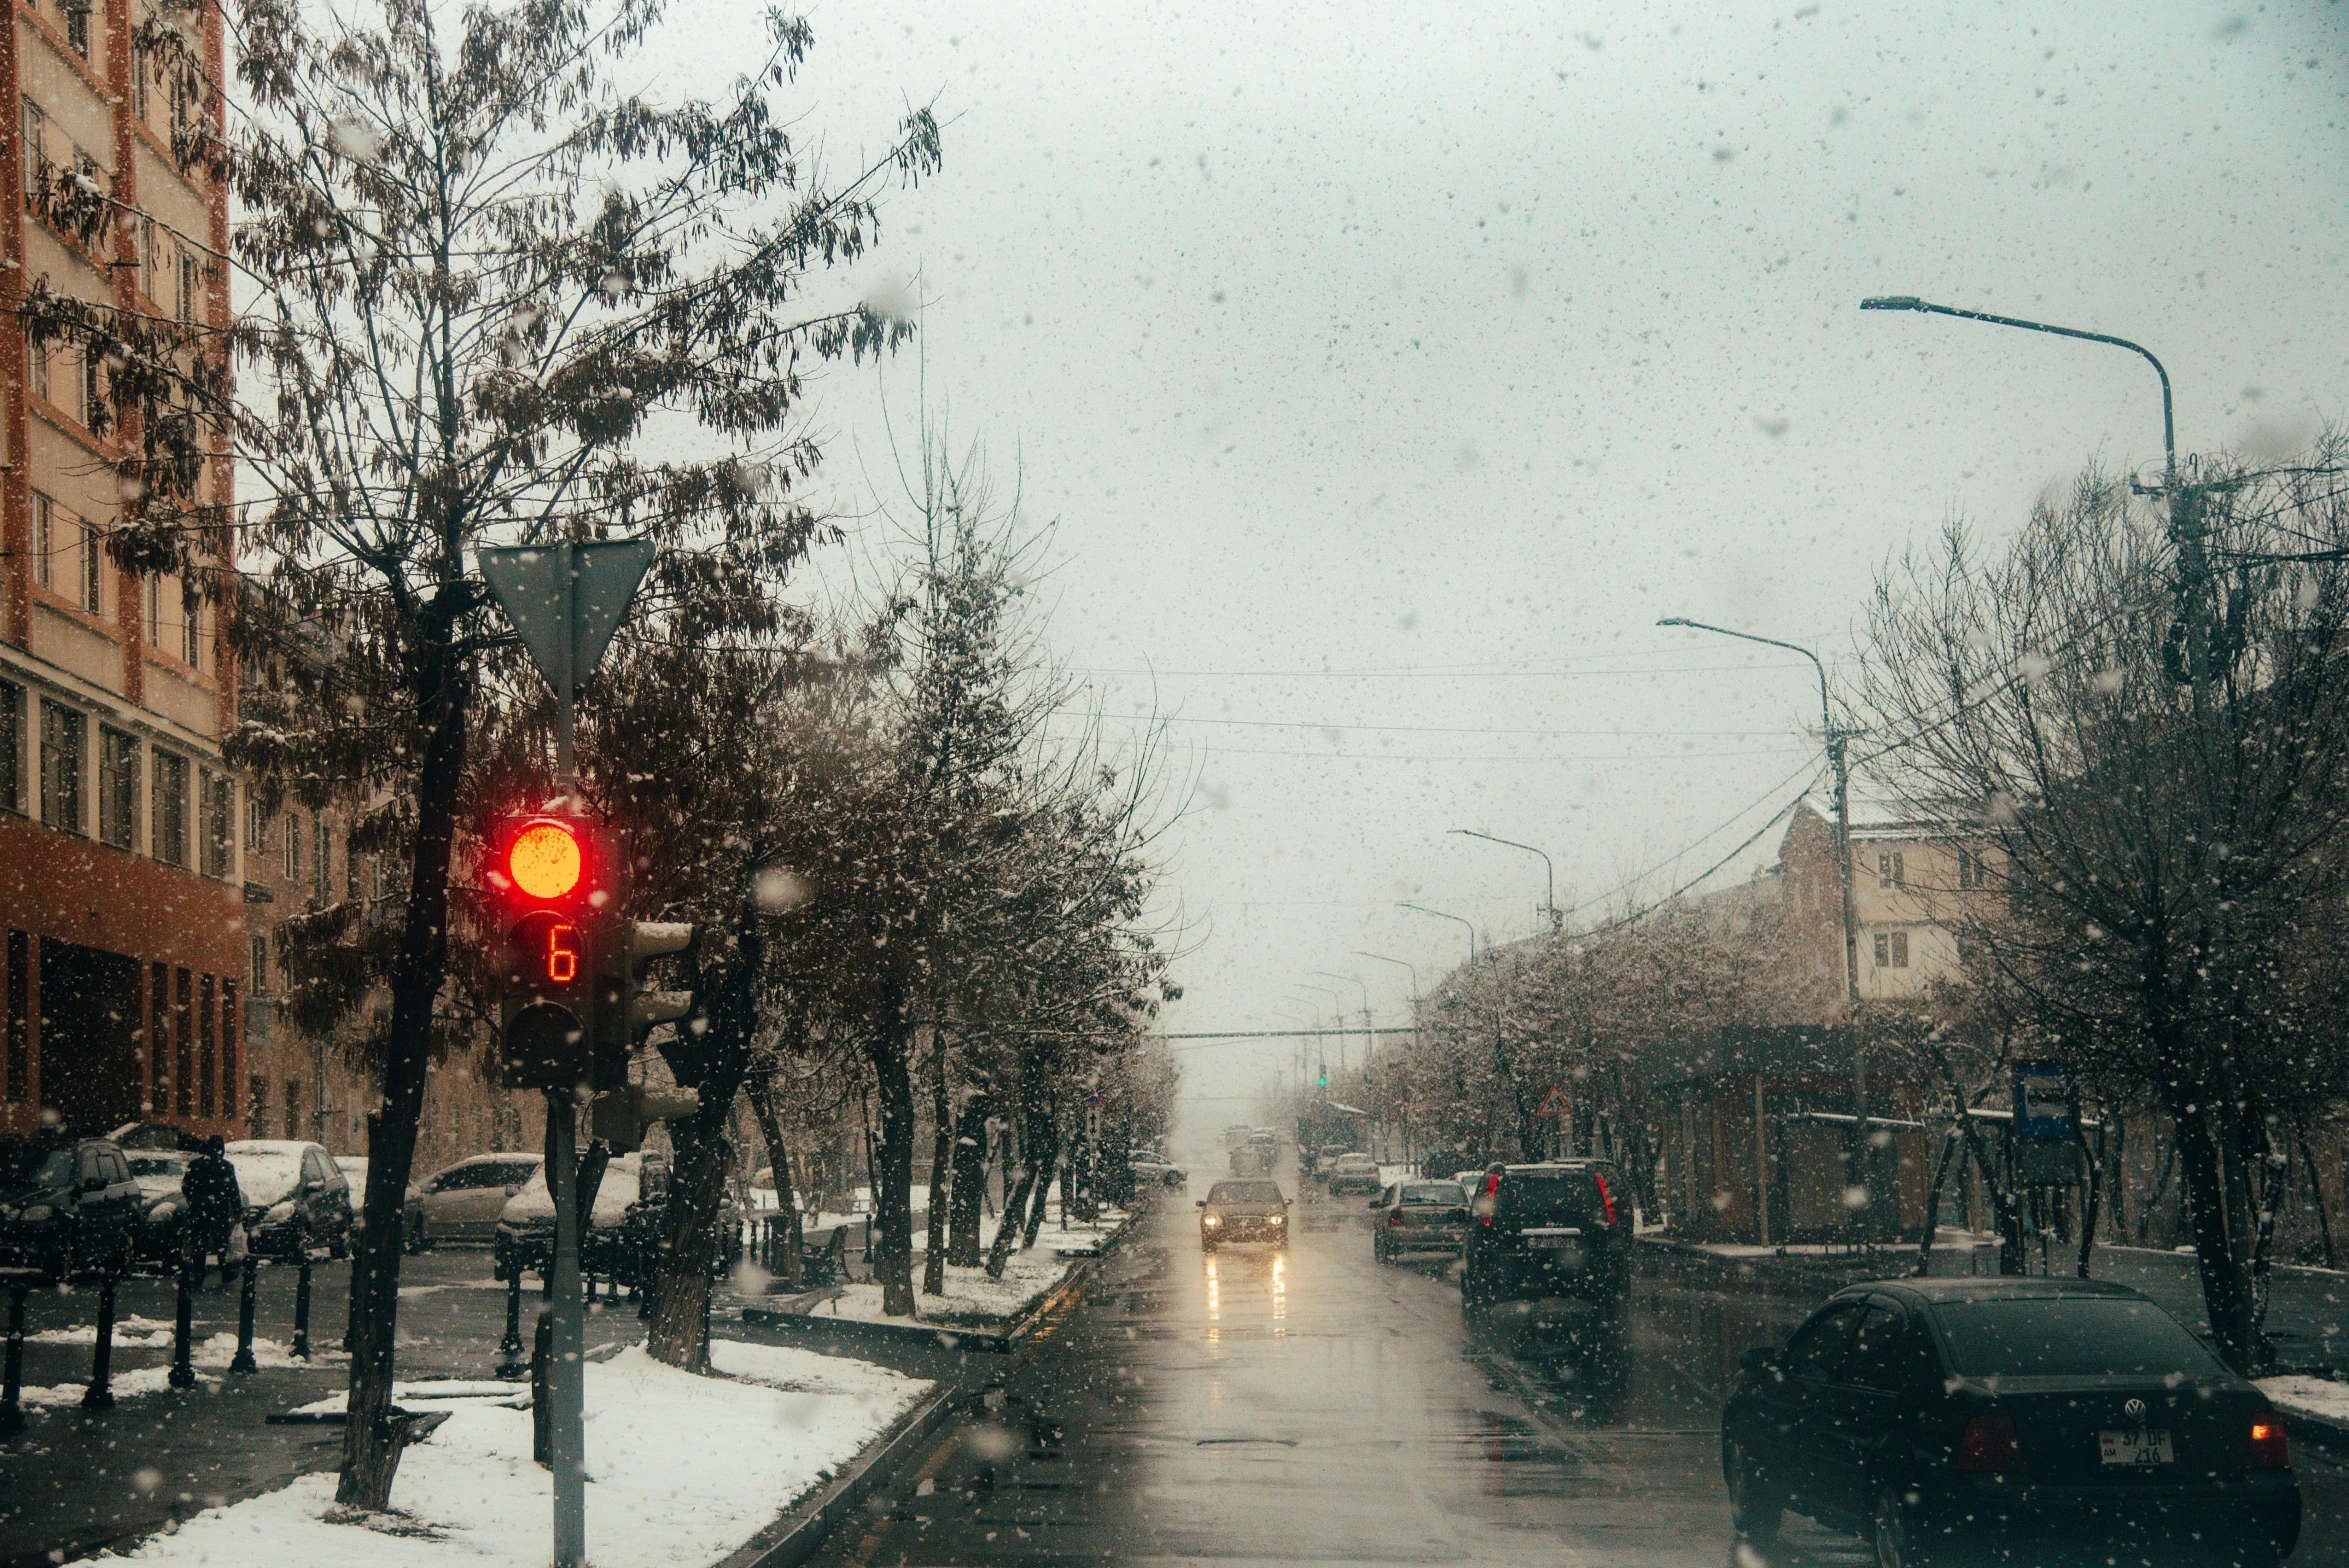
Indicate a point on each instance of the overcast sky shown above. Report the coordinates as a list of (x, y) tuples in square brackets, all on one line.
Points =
[(1390, 367)]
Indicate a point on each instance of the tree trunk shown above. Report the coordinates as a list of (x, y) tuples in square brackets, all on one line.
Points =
[(2316, 1191), (1047, 1155), (715, 1061), (970, 1183), (941, 1170), (759, 1089), (893, 1157), (2226, 1289), (371, 1441)]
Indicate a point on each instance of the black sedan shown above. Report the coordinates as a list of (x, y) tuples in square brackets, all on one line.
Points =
[(2009, 1420), (67, 1206), (162, 1210)]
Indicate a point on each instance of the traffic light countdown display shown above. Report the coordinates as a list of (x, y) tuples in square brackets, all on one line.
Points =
[(569, 1011)]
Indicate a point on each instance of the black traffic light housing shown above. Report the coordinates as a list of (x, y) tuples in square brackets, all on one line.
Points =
[(552, 878), (626, 1014)]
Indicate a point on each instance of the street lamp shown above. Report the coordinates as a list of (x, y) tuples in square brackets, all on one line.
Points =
[(1404, 963), (1550, 899), (1337, 1007), (1367, 1036), (1455, 919), (2185, 515), (1835, 759)]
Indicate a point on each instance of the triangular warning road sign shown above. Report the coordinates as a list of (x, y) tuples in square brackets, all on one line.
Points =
[(1555, 1103)]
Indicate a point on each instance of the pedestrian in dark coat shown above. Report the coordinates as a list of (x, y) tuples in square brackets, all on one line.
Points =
[(216, 1206)]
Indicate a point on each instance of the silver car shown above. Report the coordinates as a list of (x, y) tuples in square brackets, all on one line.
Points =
[(462, 1202), (1419, 1217)]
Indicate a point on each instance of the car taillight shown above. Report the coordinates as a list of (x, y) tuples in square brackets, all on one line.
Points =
[(1492, 1199), (1606, 1198), (2270, 1450), (1989, 1445), (1394, 1216)]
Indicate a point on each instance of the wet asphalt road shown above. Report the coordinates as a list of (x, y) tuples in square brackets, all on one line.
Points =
[(1315, 1407)]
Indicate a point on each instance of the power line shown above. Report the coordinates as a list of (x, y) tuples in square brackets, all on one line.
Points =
[(1407, 729)]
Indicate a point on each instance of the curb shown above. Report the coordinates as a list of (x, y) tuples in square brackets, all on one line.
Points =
[(794, 1538), (841, 1336)]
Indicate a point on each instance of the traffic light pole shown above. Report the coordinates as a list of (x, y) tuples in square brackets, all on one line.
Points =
[(567, 1370)]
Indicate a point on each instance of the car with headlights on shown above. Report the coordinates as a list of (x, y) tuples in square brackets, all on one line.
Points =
[(68, 1206), (2009, 1420), (1240, 1211), (296, 1197), (162, 1209), (1354, 1175), (1416, 1218)]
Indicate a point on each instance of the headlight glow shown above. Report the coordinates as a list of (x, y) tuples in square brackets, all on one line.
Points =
[(1211, 1220)]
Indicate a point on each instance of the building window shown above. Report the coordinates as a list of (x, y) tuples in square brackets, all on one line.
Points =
[(1969, 869), (118, 788), (44, 540), (20, 1016), (64, 734), (293, 1108), (207, 1064), (1892, 950), (87, 390), (219, 797), (187, 285), (139, 98), (228, 1047), (183, 1040), (36, 358), (260, 965), (159, 1043), (319, 856), (93, 570), (256, 827), (191, 650), (257, 1107), (11, 747), (36, 141), (293, 846), (154, 596), (1888, 868), (77, 28), (167, 840)]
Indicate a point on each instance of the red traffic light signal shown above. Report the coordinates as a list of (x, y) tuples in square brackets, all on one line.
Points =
[(553, 884), (544, 859)]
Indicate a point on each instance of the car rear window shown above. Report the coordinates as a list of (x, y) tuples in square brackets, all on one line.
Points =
[(1443, 1192), (1245, 1192), (2069, 1336), (1551, 1198)]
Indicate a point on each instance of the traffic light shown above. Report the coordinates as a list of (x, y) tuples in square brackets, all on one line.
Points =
[(625, 1014), (552, 878)]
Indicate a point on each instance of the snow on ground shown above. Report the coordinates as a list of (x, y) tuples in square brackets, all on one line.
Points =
[(206, 1355), (132, 1330), (682, 1470), (2309, 1396), (972, 1300)]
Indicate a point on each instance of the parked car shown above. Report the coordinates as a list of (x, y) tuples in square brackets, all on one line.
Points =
[(161, 1211), (1551, 1244), (1328, 1155), (1150, 1166), (1353, 1173), (2014, 1417), (1419, 1217), (462, 1202), (1470, 1182), (354, 1169), (68, 1206), (640, 1229), (296, 1197), (1243, 1211), (525, 1234)]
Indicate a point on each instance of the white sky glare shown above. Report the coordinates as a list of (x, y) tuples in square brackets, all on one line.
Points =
[(1459, 343)]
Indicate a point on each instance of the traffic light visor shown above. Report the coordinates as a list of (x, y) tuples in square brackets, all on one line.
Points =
[(544, 860)]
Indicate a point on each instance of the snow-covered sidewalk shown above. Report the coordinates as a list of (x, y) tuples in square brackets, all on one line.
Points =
[(2319, 1397), (682, 1470), (971, 1299)]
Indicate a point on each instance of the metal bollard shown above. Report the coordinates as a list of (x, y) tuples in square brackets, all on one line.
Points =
[(302, 1310), (542, 1445), (12, 1398), (243, 1361), (510, 1362), (100, 1394), (183, 1322)]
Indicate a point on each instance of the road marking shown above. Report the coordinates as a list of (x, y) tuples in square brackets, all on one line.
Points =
[(928, 1470)]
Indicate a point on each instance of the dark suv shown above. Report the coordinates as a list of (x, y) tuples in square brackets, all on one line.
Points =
[(67, 1206), (1550, 1241)]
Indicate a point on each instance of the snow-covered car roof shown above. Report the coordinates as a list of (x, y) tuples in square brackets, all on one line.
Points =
[(622, 1182), (269, 1169)]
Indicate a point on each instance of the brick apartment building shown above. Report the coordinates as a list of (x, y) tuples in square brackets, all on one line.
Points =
[(121, 880)]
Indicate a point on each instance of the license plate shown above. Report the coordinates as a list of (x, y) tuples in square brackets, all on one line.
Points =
[(1568, 1248), (2146, 1447)]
